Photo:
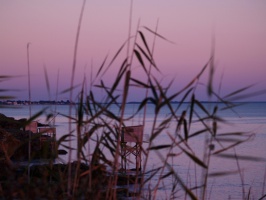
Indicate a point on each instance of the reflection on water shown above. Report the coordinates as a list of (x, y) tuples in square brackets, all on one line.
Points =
[(249, 117)]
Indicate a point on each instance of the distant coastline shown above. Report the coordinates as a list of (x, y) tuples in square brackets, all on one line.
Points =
[(67, 102), (41, 102)]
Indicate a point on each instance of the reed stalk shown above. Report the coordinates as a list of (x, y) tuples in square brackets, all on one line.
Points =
[(29, 93), (71, 93)]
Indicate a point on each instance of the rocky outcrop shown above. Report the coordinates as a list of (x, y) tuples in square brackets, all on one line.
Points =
[(14, 141), (10, 122), (8, 145)]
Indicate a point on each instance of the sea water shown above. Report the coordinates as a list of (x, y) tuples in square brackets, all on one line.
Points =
[(249, 117)]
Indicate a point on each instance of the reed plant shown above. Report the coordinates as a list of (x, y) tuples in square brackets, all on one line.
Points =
[(96, 175), (100, 121)]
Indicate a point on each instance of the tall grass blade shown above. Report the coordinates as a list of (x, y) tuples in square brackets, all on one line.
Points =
[(71, 91), (102, 65), (47, 82), (195, 159), (158, 35), (145, 43), (147, 57), (138, 55), (158, 147), (242, 157), (223, 173)]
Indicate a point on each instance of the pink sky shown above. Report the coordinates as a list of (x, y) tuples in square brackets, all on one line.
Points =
[(50, 26)]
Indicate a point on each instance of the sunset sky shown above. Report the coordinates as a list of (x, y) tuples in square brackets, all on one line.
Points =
[(239, 29)]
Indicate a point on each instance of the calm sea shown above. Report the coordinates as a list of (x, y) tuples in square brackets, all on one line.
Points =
[(250, 117)]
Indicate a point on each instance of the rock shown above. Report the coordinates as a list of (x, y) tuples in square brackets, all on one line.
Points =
[(14, 141), (10, 122), (8, 144)]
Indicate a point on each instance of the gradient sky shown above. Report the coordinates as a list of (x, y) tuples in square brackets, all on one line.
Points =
[(50, 26)]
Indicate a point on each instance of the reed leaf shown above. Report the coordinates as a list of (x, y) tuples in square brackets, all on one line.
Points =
[(196, 159), (155, 98), (7, 97), (234, 134), (262, 197), (228, 147), (70, 89), (139, 57), (181, 120), (232, 139), (202, 107), (242, 157), (183, 186), (67, 146), (223, 173), (173, 154), (211, 74), (7, 90), (191, 109), (47, 82), (150, 174), (143, 103), (36, 115), (106, 143), (167, 100), (5, 77), (102, 65), (64, 138), (184, 97), (145, 43), (158, 147), (185, 129), (126, 88), (147, 57), (214, 128), (196, 78), (89, 133), (156, 133), (119, 77), (140, 83), (247, 95), (238, 91), (167, 175), (158, 35), (118, 52), (198, 133)]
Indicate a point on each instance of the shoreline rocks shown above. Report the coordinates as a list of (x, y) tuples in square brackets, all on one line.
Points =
[(14, 141)]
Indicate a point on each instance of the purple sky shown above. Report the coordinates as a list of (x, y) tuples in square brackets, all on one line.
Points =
[(50, 26)]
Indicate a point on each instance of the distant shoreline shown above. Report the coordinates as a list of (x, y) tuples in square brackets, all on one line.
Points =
[(67, 102), (41, 102)]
